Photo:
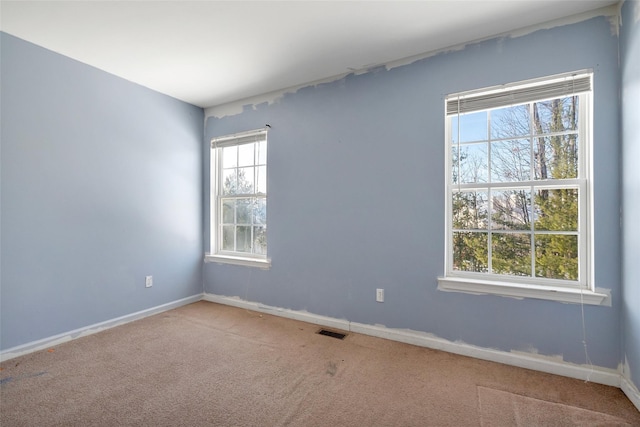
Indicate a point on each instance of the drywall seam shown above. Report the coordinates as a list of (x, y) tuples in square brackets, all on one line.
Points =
[(552, 365), (92, 329), (237, 107)]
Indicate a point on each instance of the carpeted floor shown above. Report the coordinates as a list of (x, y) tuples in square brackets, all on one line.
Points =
[(208, 364), (501, 408)]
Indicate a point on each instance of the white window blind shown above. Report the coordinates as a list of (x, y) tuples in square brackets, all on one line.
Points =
[(562, 86), (241, 138)]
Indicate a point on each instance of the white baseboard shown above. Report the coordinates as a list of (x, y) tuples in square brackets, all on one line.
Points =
[(535, 362), (522, 360), (631, 391), (92, 329), (594, 374), (303, 316)]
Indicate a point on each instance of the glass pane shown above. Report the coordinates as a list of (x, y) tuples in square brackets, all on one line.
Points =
[(260, 240), (470, 210), (230, 157), (556, 157), (260, 211), (453, 131), (511, 161), (228, 213), (455, 166), (261, 148), (245, 154), (557, 210), (511, 254), (261, 180), (510, 122), (470, 251), (555, 115), (473, 127), (228, 233), (511, 210), (245, 180), (557, 256), (243, 239), (243, 211), (229, 181), (473, 163)]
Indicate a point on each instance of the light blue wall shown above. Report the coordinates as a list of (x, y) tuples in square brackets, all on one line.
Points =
[(356, 198), (630, 54), (101, 185)]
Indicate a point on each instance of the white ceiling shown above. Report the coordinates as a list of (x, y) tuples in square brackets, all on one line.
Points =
[(213, 52)]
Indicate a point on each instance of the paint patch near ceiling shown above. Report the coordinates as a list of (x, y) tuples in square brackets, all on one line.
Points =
[(611, 12), (615, 20), (281, 44), (614, 23), (237, 107)]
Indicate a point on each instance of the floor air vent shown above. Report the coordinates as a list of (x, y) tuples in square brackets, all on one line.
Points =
[(332, 334)]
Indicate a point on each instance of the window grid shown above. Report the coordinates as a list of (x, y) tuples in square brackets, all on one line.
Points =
[(240, 195), (458, 187)]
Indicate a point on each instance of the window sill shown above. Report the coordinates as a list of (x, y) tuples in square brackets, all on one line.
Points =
[(515, 290), (265, 264)]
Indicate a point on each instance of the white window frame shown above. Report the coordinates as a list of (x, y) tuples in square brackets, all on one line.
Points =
[(525, 92), (216, 254)]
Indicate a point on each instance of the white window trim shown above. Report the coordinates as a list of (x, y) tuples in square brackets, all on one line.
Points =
[(215, 255), (480, 283), (236, 260), (519, 291)]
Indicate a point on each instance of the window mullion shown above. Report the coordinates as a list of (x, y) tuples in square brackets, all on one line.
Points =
[(219, 221), (585, 192), (532, 176), (532, 229), (490, 232), (490, 198)]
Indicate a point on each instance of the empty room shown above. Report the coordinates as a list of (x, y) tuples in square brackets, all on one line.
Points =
[(320, 213)]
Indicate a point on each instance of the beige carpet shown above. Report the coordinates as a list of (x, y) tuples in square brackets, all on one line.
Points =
[(208, 364), (501, 408)]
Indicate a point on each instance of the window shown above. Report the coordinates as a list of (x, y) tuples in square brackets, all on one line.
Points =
[(239, 199), (518, 190)]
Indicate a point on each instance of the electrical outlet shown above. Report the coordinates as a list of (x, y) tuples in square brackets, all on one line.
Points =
[(148, 281), (380, 295)]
